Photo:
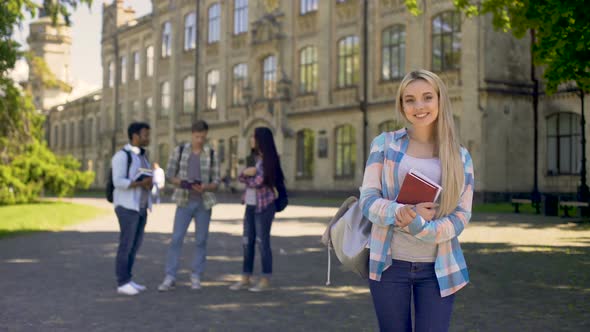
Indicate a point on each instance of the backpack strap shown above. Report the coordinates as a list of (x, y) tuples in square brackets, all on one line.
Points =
[(129, 159), (180, 149)]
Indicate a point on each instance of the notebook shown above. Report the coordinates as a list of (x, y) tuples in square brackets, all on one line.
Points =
[(418, 188)]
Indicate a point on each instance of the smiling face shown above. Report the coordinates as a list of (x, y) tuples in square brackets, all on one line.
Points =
[(420, 103)]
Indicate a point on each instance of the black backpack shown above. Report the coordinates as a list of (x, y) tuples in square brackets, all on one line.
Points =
[(110, 187), (283, 200)]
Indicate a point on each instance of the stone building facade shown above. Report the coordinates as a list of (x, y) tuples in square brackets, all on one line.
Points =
[(303, 68)]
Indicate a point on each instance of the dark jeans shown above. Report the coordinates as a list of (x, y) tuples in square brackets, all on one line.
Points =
[(392, 298), (257, 231), (132, 225)]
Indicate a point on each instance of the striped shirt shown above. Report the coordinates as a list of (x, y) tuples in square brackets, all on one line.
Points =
[(265, 195), (380, 188), (209, 173)]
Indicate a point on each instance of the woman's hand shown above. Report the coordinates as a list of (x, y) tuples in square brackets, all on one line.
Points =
[(404, 216), (250, 171), (426, 210)]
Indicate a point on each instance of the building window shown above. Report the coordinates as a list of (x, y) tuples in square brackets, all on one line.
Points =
[(90, 132), (123, 69), (221, 151), (111, 78), (390, 125), (446, 41), (80, 139), (55, 138), (149, 104), (188, 94), (308, 6), (269, 76), (72, 133), (305, 151), (345, 151), (348, 61), (190, 23), (212, 83), (308, 66), (240, 16), (214, 23), (63, 135), (233, 157), (149, 61), (393, 53), (163, 154), (165, 98), (135, 111), (136, 71), (166, 40), (239, 79), (564, 147)]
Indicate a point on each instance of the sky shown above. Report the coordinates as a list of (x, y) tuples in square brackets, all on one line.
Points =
[(86, 68)]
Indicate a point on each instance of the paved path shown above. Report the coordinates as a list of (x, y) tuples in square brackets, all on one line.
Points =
[(64, 281)]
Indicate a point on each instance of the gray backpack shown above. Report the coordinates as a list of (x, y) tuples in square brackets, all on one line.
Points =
[(348, 234)]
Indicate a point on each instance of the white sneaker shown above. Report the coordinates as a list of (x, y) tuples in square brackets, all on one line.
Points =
[(127, 289), (167, 284), (195, 282), (139, 287)]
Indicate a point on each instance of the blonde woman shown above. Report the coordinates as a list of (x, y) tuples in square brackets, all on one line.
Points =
[(415, 250)]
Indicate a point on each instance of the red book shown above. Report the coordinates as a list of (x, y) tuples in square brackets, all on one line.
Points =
[(418, 188)]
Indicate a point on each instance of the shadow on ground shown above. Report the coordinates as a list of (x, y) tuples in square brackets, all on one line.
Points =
[(64, 281)]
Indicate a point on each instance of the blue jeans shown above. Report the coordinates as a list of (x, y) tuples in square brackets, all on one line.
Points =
[(392, 298), (182, 219), (132, 226), (257, 231)]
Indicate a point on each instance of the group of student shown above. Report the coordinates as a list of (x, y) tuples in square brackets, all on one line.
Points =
[(193, 170), (415, 256)]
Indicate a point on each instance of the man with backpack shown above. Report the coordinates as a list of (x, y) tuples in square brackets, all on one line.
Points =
[(131, 199), (193, 169)]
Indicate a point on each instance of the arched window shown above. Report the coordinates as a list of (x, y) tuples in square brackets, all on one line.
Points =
[(149, 61), (212, 84), (345, 151), (348, 62), (446, 41), (564, 147), (308, 6), (269, 76), (305, 153), (188, 94), (165, 98), (239, 79), (308, 70), (393, 53)]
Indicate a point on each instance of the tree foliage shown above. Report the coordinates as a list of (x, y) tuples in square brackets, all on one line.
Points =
[(28, 167), (562, 33)]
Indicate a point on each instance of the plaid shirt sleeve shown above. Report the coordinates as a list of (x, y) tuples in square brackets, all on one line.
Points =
[(253, 181), (377, 209), (452, 225), (172, 167)]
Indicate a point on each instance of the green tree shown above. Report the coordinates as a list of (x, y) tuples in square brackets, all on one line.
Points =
[(562, 33), (27, 165)]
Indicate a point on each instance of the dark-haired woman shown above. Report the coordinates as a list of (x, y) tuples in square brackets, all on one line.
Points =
[(259, 198)]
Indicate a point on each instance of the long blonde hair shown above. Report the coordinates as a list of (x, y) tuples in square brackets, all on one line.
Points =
[(449, 153)]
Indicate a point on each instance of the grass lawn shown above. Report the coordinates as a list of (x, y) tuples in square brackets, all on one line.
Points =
[(44, 216)]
